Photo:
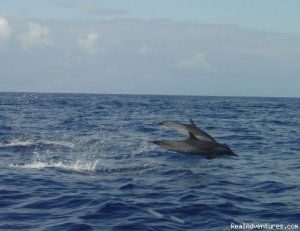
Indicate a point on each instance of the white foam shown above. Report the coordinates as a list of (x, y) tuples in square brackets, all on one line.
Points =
[(176, 219), (155, 213), (160, 215), (143, 148), (77, 166), (34, 165), (13, 143), (29, 142)]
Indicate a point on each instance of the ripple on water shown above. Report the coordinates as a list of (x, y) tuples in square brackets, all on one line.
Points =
[(68, 226), (83, 162)]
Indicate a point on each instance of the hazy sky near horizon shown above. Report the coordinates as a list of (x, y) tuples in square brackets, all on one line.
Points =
[(193, 47)]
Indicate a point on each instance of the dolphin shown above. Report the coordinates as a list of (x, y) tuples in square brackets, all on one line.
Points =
[(198, 143), (185, 129)]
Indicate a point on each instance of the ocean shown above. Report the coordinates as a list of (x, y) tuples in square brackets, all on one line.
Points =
[(85, 162)]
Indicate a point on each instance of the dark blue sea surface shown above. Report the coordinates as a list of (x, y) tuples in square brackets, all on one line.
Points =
[(85, 162)]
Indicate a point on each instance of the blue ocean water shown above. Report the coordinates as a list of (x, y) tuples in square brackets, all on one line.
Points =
[(84, 162)]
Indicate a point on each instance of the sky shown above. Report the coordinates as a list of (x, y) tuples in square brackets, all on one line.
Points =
[(174, 47)]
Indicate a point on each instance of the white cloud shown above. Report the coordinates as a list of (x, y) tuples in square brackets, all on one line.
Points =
[(36, 36), (198, 60), (5, 30), (144, 53), (88, 42), (144, 50)]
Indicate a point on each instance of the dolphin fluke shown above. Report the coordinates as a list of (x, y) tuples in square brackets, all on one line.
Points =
[(198, 142)]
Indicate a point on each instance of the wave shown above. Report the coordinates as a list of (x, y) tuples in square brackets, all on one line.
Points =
[(159, 215), (84, 167), (33, 142), (77, 166), (97, 157)]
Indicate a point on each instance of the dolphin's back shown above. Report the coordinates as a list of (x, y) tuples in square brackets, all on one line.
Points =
[(177, 146), (192, 145), (185, 129)]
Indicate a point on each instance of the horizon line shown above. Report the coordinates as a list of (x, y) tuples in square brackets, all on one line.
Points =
[(146, 94)]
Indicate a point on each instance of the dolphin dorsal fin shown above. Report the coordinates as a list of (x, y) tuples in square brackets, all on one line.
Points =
[(192, 122), (192, 136)]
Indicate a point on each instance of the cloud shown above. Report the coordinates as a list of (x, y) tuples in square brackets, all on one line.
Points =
[(88, 42), (198, 60), (144, 50), (101, 11), (36, 36), (140, 56), (5, 30)]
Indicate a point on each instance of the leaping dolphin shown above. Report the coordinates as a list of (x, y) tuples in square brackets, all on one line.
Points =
[(199, 142), (185, 129)]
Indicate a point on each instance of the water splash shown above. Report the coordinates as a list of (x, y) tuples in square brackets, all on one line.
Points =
[(96, 152), (40, 162), (35, 142), (77, 166)]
